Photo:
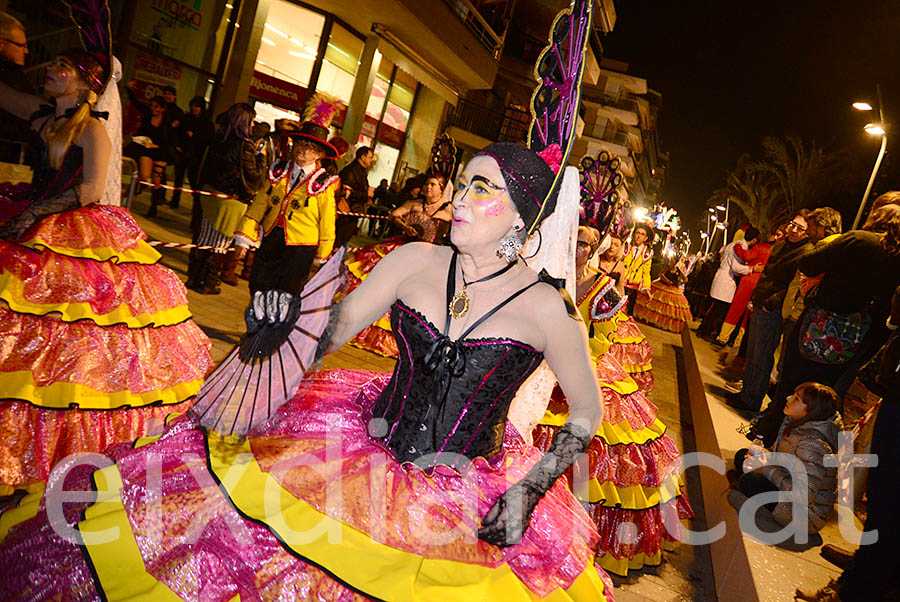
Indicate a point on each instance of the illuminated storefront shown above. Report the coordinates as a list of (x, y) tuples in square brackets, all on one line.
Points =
[(293, 59)]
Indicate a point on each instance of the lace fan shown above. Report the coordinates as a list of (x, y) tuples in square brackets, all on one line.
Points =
[(260, 376)]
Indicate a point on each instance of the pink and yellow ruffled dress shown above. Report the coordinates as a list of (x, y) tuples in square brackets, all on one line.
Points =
[(334, 503), (96, 339), (377, 337), (633, 480), (665, 306)]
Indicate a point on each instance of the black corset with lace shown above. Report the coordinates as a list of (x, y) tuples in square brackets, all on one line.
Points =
[(446, 398)]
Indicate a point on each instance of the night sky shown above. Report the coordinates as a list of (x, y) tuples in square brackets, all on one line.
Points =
[(733, 71)]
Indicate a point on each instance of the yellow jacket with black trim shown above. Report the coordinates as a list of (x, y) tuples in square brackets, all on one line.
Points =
[(306, 211), (637, 263)]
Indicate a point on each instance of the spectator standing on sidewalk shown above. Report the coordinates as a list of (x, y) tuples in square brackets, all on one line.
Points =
[(637, 260), (13, 50), (173, 112), (236, 166), (355, 180), (195, 135), (737, 318), (724, 284), (766, 325), (846, 313), (153, 145), (870, 571)]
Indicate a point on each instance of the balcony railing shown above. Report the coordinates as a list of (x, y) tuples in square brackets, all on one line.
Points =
[(509, 126), (480, 28)]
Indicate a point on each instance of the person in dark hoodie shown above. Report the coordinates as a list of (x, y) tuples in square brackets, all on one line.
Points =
[(195, 135)]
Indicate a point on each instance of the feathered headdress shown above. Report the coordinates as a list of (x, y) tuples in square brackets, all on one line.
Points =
[(94, 61), (443, 156), (320, 110), (600, 180)]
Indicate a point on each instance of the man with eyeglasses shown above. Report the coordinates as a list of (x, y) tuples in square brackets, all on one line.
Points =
[(13, 48), (766, 323)]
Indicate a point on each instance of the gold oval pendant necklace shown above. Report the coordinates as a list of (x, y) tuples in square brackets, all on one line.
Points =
[(459, 304)]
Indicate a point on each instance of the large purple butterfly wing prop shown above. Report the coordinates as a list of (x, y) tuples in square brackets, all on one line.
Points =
[(92, 19), (240, 397), (559, 71)]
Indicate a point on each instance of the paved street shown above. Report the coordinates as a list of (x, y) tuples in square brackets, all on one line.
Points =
[(686, 573)]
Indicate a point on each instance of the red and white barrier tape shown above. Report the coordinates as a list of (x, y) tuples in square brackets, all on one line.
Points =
[(222, 195), (187, 245)]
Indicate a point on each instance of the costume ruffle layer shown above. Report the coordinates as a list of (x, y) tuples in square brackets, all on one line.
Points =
[(624, 547), (667, 308), (377, 337), (632, 472), (57, 364), (106, 293), (99, 232), (33, 440), (219, 538)]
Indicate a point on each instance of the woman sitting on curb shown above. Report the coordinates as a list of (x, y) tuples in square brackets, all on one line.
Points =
[(809, 432)]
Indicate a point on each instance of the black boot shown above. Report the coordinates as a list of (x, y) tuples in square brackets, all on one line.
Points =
[(176, 198), (157, 197), (211, 268), (196, 260)]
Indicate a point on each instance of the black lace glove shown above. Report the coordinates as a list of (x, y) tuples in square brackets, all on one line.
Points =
[(270, 317), (16, 227), (509, 517)]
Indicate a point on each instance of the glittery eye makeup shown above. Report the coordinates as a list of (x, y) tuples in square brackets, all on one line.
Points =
[(484, 193)]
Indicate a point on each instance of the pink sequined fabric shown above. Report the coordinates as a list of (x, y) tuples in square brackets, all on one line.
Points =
[(555, 550), (88, 322), (634, 352), (626, 464), (204, 550)]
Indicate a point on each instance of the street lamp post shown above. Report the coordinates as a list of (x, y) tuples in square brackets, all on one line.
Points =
[(876, 129)]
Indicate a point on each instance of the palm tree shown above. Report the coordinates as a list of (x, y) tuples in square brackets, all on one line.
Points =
[(755, 192), (791, 175), (805, 173)]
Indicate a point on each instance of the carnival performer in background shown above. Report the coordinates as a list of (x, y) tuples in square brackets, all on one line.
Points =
[(292, 219), (665, 305), (637, 261), (427, 219), (631, 459), (235, 166), (96, 340), (628, 344)]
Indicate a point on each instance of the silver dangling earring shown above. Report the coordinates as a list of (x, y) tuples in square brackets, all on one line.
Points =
[(510, 246)]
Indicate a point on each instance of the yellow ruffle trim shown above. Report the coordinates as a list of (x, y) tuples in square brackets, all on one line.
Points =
[(26, 509), (376, 569), (636, 497), (12, 292), (621, 566), (143, 253), (613, 434), (62, 395), (356, 270), (635, 368), (114, 554)]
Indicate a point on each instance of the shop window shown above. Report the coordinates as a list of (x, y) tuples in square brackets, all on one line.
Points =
[(267, 113), (290, 42), (340, 63), (385, 161)]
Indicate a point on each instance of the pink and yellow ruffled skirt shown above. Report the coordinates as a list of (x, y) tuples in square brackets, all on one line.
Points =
[(89, 320), (377, 337), (633, 489), (314, 510), (632, 350), (665, 307)]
